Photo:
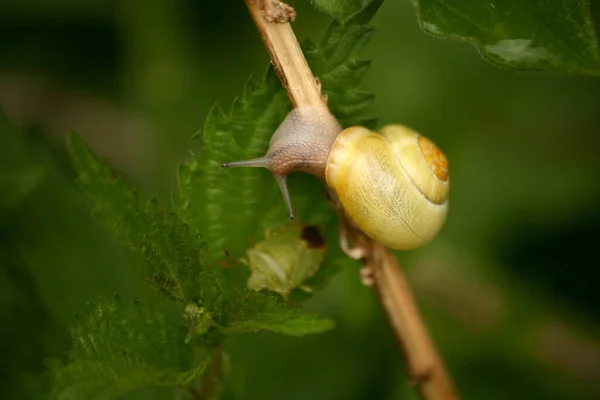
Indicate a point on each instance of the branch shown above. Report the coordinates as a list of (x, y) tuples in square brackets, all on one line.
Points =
[(426, 367), (287, 59)]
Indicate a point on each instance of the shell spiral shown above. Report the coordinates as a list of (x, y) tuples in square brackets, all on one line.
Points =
[(393, 185)]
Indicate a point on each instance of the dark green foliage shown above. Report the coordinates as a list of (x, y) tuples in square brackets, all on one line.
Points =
[(119, 347), (171, 258), (230, 208), (336, 61), (216, 216), (227, 206), (29, 331), (496, 319), (168, 248), (540, 35), (19, 176)]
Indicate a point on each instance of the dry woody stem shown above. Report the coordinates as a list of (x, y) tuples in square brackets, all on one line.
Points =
[(427, 370), (287, 58), (425, 365)]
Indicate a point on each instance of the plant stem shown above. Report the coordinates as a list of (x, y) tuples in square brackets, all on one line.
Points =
[(287, 59), (426, 367)]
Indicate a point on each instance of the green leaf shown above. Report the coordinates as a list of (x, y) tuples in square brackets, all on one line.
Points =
[(539, 35), (252, 311), (231, 207), (120, 348), (287, 257), (226, 210), (169, 249), (227, 205), (342, 9), (336, 61)]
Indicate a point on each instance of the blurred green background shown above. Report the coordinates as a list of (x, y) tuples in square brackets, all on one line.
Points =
[(509, 289)]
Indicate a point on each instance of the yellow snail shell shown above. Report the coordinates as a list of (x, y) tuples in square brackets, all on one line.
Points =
[(393, 185)]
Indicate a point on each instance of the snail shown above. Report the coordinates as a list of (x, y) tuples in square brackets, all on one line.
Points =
[(393, 184)]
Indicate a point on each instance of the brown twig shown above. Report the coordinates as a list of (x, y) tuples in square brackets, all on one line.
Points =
[(287, 59), (426, 367)]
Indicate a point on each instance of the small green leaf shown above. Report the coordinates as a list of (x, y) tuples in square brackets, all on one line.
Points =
[(170, 251), (540, 35), (252, 311), (118, 348), (286, 258)]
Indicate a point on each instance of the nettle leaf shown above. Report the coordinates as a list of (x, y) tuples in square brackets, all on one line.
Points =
[(170, 251), (336, 61), (231, 207), (227, 209), (227, 205), (118, 348), (540, 35), (242, 310), (252, 311)]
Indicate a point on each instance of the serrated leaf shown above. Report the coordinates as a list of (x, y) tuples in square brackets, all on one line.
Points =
[(227, 205), (336, 61), (539, 35), (118, 348), (231, 207), (170, 251), (252, 311)]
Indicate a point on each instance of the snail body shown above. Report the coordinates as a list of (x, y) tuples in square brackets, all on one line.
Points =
[(394, 184)]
